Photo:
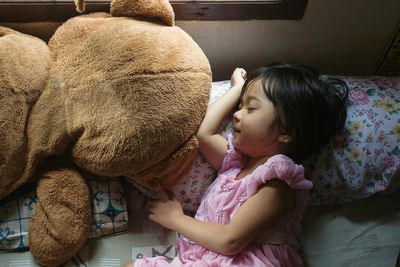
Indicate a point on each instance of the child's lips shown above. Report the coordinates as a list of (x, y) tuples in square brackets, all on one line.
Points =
[(236, 130)]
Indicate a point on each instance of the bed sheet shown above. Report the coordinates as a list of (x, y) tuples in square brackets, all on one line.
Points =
[(361, 233), (357, 234)]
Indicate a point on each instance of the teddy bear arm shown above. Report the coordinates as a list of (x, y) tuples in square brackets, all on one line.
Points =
[(62, 216)]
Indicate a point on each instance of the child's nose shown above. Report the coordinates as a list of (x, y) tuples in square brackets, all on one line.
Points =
[(236, 116)]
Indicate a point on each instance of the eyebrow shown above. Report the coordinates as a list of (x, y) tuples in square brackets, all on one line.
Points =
[(252, 97)]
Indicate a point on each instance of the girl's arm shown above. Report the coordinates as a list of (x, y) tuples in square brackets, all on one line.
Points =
[(252, 218), (213, 146)]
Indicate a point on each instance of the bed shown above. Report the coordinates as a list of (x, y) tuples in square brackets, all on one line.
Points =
[(353, 216)]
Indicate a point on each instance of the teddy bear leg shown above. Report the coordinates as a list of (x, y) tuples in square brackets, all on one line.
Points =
[(62, 216)]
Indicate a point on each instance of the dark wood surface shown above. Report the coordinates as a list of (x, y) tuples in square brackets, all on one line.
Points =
[(28, 11)]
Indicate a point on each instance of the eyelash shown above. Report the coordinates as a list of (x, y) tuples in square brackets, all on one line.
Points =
[(249, 109)]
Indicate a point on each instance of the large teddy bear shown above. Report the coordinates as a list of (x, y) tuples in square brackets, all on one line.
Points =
[(114, 95)]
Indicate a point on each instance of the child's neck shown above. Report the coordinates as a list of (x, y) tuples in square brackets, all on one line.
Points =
[(251, 165)]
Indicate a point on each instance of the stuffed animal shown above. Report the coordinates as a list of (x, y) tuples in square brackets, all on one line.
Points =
[(118, 94)]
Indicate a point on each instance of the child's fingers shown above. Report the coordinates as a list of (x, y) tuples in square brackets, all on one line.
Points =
[(240, 72), (160, 191), (243, 73), (171, 195), (151, 205)]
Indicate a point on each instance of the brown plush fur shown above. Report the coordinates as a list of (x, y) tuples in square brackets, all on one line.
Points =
[(118, 96), (62, 217), (122, 106), (80, 5), (24, 65), (146, 8), (160, 9)]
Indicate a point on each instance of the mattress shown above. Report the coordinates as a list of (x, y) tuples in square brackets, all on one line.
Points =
[(357, 234)]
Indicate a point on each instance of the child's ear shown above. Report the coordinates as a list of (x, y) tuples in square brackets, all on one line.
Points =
[(284, 138)]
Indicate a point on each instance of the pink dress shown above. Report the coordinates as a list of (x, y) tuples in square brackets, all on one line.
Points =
[(276, 247)]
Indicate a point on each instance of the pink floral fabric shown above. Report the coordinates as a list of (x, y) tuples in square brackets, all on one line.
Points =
[(224, 198), (361, 160), (364, 158), (358, 96)]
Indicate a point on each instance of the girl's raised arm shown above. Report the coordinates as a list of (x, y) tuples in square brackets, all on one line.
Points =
[(212, 145)]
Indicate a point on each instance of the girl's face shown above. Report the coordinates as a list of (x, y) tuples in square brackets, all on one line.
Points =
[(254, 129)]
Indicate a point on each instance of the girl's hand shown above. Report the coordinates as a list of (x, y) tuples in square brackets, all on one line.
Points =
[(238, 77), (166, 210)]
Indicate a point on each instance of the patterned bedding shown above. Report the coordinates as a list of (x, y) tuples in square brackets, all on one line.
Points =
[(110, 214)]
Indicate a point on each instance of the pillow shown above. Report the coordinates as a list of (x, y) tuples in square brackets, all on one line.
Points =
[(364, 158), (109, 212), (361, 160)]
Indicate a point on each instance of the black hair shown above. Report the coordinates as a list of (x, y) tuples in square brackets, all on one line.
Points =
[(308, 108)]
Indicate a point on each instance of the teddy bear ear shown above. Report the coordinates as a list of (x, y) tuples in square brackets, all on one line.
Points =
[(161, 9), (80, 5)]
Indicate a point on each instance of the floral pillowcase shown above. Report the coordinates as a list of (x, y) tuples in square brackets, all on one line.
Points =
[(364, 158), (361, 160)]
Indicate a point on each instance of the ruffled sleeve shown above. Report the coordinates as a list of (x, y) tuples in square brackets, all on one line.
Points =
[(233, 159), (283, 168)]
